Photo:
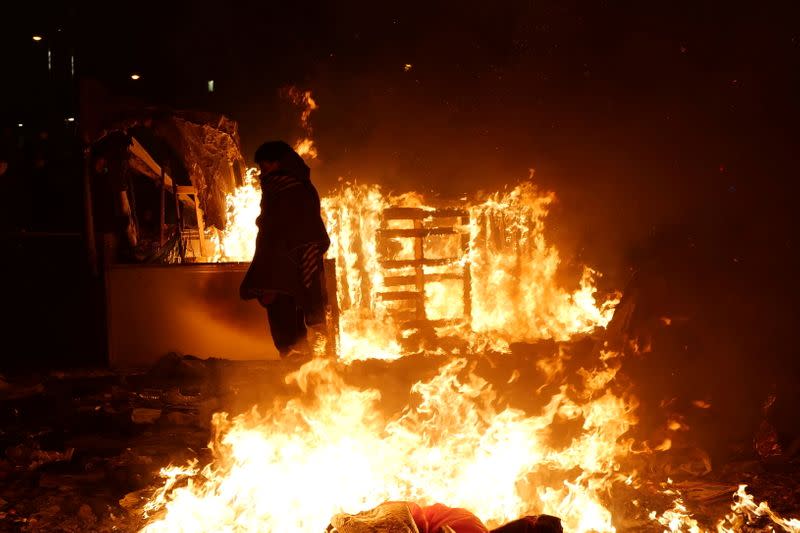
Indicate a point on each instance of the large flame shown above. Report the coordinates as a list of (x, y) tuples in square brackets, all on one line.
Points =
[(330, 450), (513, 293)]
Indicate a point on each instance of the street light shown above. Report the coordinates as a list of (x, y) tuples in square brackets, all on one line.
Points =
[(135, 77), (37, 38)]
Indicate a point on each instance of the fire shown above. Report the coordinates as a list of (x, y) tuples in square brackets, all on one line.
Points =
[(353, 217), (677, 519), (330, 450), (745, 515), (306, 148), (512, 262), (513, 294), (237, 241), (303, 99), (745, 512)]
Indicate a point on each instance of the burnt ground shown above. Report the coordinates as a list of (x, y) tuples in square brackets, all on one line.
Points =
[(82, 449)]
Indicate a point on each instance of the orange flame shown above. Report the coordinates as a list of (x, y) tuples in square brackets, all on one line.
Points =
[(305, 146), (745, 511), (513, 292), (294, 467)]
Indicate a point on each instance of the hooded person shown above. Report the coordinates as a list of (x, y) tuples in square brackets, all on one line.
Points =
[(287, 274)]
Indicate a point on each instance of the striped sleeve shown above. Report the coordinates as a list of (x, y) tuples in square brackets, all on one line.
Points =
[(310, 262)]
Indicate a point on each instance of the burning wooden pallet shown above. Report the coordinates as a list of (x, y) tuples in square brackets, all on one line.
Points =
[(409, 276)]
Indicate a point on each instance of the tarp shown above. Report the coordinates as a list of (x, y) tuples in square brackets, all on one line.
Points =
[(199, 148)]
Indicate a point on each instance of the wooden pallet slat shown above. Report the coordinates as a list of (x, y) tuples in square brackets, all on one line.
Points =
[(405, 263), (401, 295), (421, 324), (395, 281), (417, 213), (416, 232)]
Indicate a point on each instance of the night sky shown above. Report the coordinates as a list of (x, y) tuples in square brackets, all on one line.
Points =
[(640, 115)]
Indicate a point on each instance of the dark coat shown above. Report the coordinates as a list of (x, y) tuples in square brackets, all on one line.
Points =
[(290, 222)]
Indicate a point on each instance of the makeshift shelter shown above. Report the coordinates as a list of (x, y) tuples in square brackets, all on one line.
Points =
[(159, 178)]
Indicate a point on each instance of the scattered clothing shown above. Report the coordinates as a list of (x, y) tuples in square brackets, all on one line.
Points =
[(408, 517), (435, 518)]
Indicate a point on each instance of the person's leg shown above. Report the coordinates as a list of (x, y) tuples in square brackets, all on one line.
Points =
[(282, 317), (287, 324), (315, 313), (301, 344), (300, 323)]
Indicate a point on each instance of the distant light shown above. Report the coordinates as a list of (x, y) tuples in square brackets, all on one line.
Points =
[(37, 38), (19, 125), (211, 86), (70, 119), (407, 67), (135, 77), (49, 60), (72, 65)]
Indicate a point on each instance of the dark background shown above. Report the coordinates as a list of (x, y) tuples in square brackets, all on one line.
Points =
[(668, 130)]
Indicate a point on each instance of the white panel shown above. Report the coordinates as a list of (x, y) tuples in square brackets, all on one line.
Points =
[(192, 309)]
